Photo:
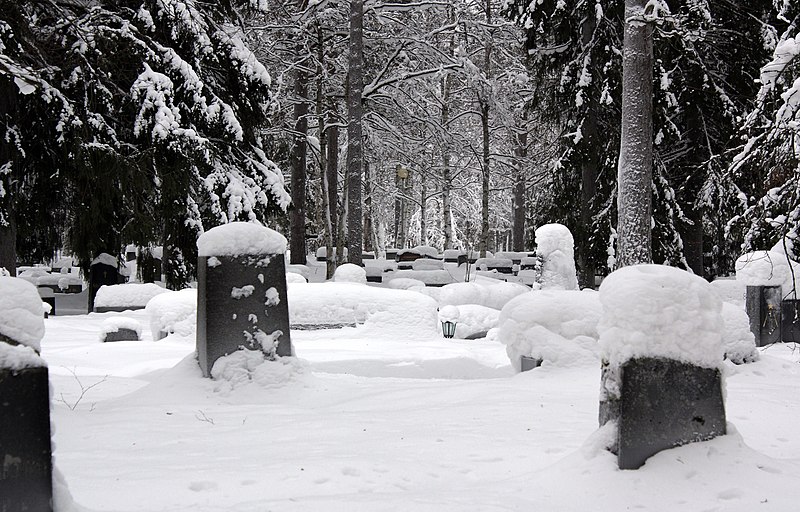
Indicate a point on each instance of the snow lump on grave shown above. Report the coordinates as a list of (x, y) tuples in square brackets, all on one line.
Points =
[(22, 322), (240, 239)]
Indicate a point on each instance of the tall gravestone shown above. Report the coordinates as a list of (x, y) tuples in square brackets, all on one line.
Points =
[(103, 271), (661, 342), (25, 449), (241, 293)]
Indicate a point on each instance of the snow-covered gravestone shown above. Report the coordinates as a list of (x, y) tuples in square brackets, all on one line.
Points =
[(766, 274), (241, 293), (104, 270), (661, 343), (555, 249), (25, 449)]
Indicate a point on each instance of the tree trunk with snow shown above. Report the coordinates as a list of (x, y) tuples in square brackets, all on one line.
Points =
[(8, 245), (297, 216), (331, 179), (447, 222), (635, 171), (589, 166), (518, 197), (369, 235), (355, 154), (484, 237)]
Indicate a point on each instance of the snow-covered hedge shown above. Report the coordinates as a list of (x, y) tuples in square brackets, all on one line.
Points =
[(132, 295), (401, 311), (556, 326)]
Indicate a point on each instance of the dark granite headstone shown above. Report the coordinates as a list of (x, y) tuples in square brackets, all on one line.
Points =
[(226, 323), (150, 269), (99, 275), (790, 321), (121, 334), (663, 404), (529, 363), (46, 294), (25, 450), (763, 305)]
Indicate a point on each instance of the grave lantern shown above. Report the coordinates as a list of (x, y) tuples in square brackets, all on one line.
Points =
[(448, 329)]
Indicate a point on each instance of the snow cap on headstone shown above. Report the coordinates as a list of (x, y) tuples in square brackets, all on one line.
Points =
[(240, 239), (350, 273), (659, 311), (765, 268), (21, 317)]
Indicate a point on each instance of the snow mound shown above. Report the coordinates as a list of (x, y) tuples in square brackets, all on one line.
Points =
[(173, 312), (498, 294), (245, 367), (19, 357), (660, 311), (115, 323), (738, 342), (555, 249), (456, 294), (350, 273), (134, 295), (474, 319), (303, 270), (240, 239), (422, 250), (21, 316), (404, 283), (449, 314), (766, 268), (730, 290), (557, 326), (292, 278), (404, 312)]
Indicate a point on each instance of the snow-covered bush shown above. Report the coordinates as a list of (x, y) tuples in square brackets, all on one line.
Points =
[(474, 319), (456, 294), (130, 295), (738, 342), (499, 293), (730, 290), (350, 273), (556, 326), (173, 312), (555, 248)]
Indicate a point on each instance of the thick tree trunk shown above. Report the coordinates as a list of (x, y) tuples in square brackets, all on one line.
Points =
[(518, 199), (355, 78), (692, 234), (8, 245), (635, 171), (589, 166), (297, 215)]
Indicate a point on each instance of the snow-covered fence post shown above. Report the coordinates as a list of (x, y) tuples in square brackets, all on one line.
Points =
[(661, 342), (241, 293), (26, 474)]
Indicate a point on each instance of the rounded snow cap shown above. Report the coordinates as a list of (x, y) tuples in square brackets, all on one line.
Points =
[(21, 317), (240, 239), (660, 311), (350, 273)]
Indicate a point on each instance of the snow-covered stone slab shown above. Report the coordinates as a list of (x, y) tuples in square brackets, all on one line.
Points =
[(661, 340), (123, 297), (120, 328)]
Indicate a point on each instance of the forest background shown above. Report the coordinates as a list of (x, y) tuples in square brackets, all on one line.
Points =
[(452, 123)]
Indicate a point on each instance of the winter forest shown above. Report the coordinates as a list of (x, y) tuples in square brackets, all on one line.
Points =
[(370, 125)]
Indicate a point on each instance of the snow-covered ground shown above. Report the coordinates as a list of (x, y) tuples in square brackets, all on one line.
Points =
[(391, 423)]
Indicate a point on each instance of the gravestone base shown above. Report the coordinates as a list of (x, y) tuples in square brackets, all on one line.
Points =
[(27, 471), (663, 404), (226, 323), (529, 363), (121, 334)]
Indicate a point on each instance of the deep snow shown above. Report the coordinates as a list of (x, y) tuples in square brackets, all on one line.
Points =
[(391, 423)]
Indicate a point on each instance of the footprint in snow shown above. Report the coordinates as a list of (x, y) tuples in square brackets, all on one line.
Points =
[(203, 486)]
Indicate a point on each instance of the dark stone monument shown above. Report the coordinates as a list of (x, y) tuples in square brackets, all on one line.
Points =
[(150, 268), (121, 334), (763, 305), (529, 363), (101, 273), (662, 404), (241, 303), (790, 321), (47, 296)]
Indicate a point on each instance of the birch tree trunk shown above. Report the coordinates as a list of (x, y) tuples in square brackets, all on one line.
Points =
[(635, 171), (355, 77)]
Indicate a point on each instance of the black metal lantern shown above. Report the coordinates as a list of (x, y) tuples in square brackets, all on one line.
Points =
[(448, 329)]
